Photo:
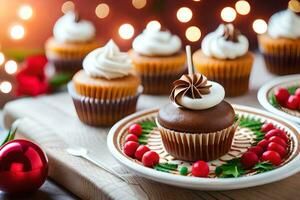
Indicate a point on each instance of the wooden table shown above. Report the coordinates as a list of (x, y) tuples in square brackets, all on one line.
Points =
[(52, 122)]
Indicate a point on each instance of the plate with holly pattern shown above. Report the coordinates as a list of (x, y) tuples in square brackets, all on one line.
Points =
[(271, 100), (225, 173)]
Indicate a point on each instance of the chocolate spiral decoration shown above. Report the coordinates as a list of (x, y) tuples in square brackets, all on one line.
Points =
[(231, 33), (191, 85)]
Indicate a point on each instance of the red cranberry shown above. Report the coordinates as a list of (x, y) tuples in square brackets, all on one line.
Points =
[(263, 143), (272, 146), (282, 95), (267, 127), (297, 92), (141, 150), (135, 129), (272, 157), (131, 137), (258, 150), (150, 159), (293, 102), (277, 132), (200, 169), (249, 159), (278, 140), (130, 148)]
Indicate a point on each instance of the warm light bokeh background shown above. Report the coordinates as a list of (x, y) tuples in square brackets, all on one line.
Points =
[(206, 16)]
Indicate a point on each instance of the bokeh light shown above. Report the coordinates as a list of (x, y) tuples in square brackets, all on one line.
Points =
[(260, 26), (184, 14), (2, 58), (25, 12), (11, 67), (68, 6), (193, 33), (138, 4), (153, 25), (102, 10), (242, 7), (17, 32), (228, 14), (126, 31), (5, 87)]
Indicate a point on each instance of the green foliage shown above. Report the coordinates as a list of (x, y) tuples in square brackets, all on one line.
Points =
[(263, 167), (292, 89), (231, 168), (165, 167), (147, 127), (273, 101), (254, 125), (60, 79)]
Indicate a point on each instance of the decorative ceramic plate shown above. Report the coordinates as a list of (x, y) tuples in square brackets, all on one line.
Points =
[(267, 100), (247, 134)]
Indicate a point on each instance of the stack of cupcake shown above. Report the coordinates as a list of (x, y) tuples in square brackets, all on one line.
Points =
[(73, 39), (107, 89)]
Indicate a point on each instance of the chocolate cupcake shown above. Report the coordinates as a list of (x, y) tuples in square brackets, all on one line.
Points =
[(198, 124), (224, 58), (73, 38), (107, 89), (281, 45), (158, 59)]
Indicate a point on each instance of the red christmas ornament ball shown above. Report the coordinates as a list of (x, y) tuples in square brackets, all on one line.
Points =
[(23, 167)]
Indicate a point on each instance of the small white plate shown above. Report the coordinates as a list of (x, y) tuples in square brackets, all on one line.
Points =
[(267, 89), (118, 132)]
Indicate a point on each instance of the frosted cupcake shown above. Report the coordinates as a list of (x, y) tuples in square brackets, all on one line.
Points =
[(158, 59), (107, 89), (224, 58), (198, 124), (73, 38), (281, 45)]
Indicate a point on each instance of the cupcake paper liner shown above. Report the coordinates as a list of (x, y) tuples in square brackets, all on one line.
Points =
[(197, 146), (233, 75), (66, 65), (102, 112), (282, 56)]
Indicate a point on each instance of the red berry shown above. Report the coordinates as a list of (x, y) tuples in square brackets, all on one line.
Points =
[(141, 150), (272, 146), (278, 140), (258, 150), (267, 127), (131, 137), (150, 159), (249, 159), (297, 92), (200, 169), (130, 148), (276, 132), (293, 102), (271, 156), (282, 95), (135, 129), (263, 143)]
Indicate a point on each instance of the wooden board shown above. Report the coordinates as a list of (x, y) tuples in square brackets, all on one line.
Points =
[(51, 121)]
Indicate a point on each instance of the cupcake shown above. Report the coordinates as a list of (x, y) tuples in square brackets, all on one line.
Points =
[(280, 46), (158, 59), (224, 58), (73, 38), (107, 89), (198, 124)]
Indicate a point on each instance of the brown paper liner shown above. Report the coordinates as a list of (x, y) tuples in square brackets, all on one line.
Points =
[(282, 56), (66, 65), (232, 74), (101, 88), (158, 73), (97, 112), (197, 146)]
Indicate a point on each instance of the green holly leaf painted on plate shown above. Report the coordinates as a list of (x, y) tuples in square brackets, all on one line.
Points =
[(263, 167), (273, 101), (231, 168)]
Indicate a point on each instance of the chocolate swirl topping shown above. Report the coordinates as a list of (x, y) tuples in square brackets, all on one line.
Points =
[(294, 5), (191, 85), (231, 33)]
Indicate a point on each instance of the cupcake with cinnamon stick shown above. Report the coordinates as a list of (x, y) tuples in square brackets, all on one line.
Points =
[(224, 58), (198, 124), (107, 89)]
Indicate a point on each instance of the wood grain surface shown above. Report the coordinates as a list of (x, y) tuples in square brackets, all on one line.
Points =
[(51, 121)]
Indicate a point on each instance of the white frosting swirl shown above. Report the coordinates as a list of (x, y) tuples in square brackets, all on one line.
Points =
[(66, 29), (216, 45), (155, 42), (107, 62), (216, 96), (285, 24)]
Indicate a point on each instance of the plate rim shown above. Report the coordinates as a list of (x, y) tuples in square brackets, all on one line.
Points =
[(263, 99), (289, 169)]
